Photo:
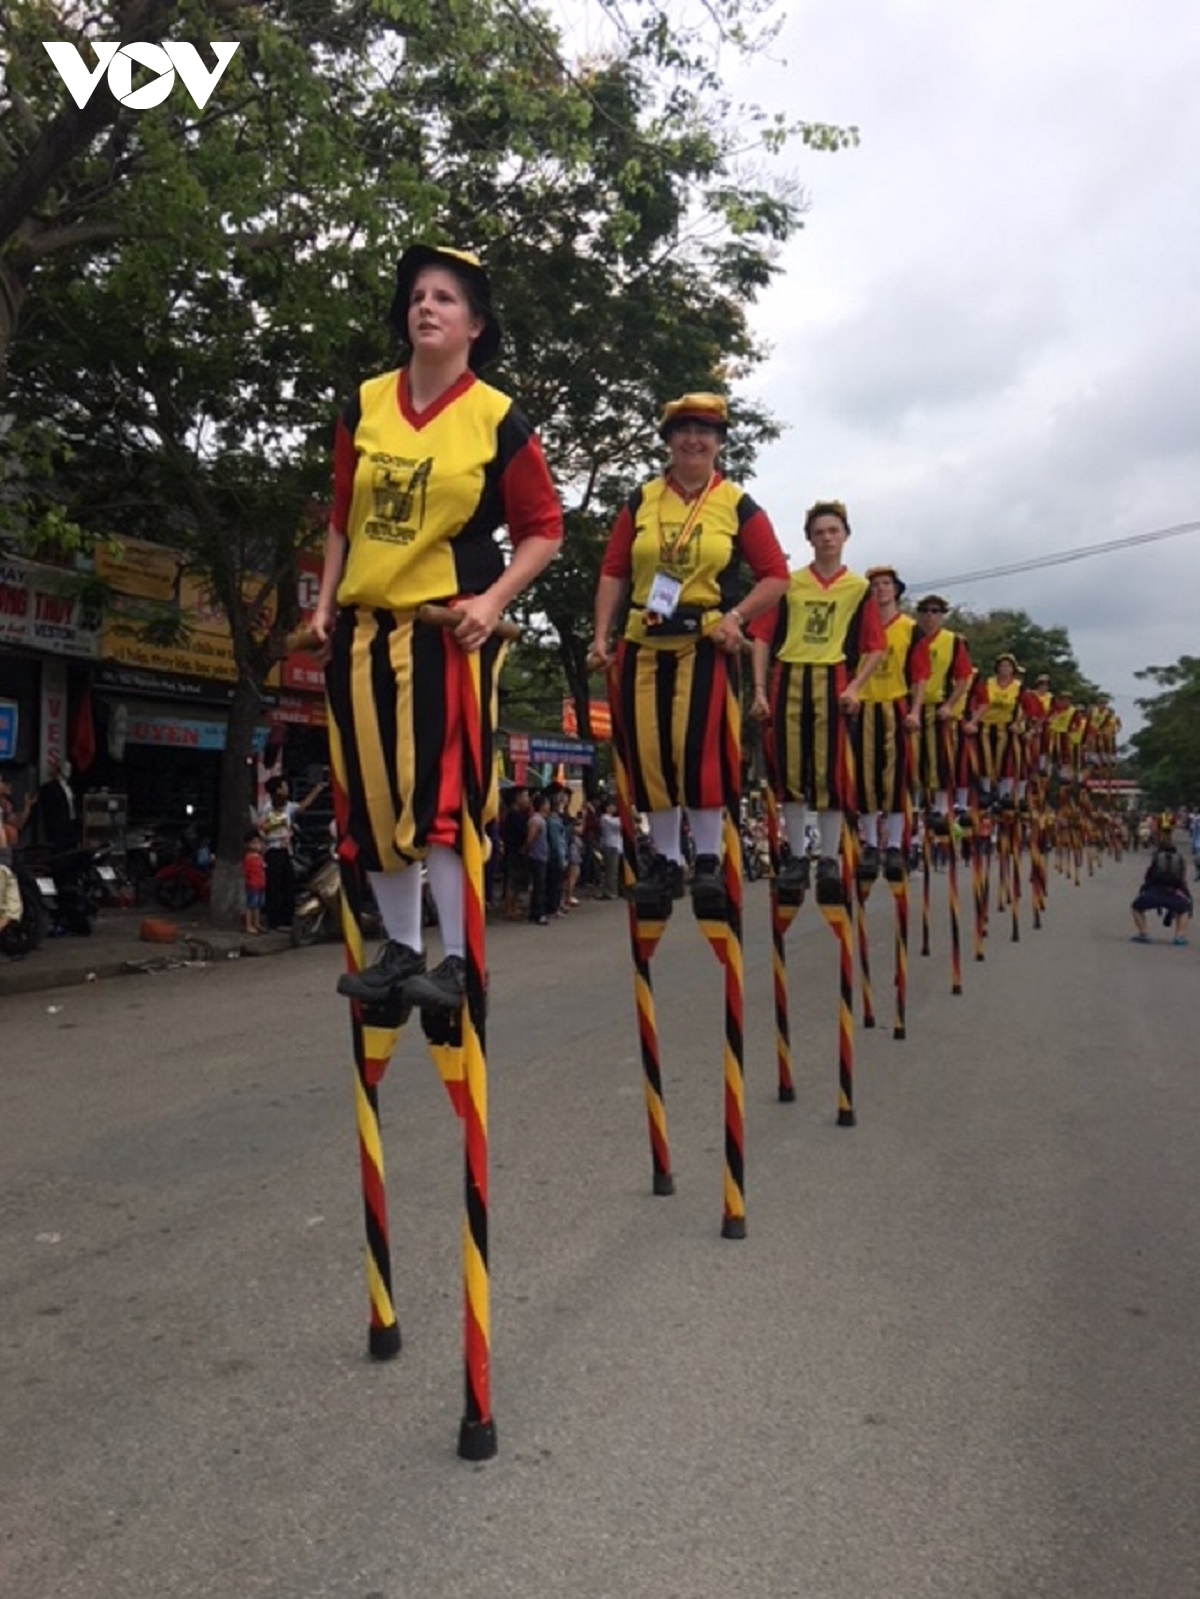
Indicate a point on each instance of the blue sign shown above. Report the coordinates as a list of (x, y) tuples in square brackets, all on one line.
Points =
[(8, 730), (572, 751)]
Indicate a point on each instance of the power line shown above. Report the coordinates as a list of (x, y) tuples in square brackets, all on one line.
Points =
[(1060, 558)]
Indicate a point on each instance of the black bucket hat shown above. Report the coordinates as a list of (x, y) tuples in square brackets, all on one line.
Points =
[(464, 265)]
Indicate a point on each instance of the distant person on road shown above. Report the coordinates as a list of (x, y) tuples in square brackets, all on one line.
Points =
[(1164, 889)]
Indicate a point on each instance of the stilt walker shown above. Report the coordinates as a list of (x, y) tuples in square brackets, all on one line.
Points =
[(672, 563), (429, 462), (818, 649)]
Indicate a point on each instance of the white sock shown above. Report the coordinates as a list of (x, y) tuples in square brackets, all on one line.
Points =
[(445, 869), (868, 827), (895, 830), (706, 831), (941, 802), (1006, 788), (398, 895), (829, 826), (960, 798), (795, 819), (664, 833)]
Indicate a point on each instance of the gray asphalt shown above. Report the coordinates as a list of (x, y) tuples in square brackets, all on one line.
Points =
[(955, 1357)]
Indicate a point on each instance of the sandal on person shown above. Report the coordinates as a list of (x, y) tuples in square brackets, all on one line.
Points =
[(1140, 938)]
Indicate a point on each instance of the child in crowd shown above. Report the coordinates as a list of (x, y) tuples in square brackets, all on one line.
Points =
[(254, 875)]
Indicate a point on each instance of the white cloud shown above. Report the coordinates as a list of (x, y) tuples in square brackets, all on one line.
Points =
[(987, 337)]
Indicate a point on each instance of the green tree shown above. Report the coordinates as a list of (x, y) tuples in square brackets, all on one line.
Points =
[(187, 346), (1038, 649), (1167, 747)]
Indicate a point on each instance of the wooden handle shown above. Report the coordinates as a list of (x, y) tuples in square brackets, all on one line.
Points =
[(447, 616)]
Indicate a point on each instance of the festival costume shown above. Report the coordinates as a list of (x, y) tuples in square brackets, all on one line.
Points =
[(419, 497), (880, 743), (671, 700), (942, 662), (818, 632)]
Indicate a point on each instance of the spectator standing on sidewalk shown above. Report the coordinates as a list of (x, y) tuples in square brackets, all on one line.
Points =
[(611, 847), (537, 854)]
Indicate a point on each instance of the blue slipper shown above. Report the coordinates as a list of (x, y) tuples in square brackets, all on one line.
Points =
[(1179, 941), (1140, 938)]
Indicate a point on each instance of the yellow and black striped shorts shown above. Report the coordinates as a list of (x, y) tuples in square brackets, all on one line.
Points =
[(807, 751), (677, 720), (880, 757), (394, 688)]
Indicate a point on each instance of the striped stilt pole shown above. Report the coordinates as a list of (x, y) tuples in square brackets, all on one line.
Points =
[(1013, 828), (955, 928), (782, 917), (644, 936), (926, 885), (978, 880), (900, 907), (866, 999), (733, 1220), (373, 1047), (477, 1432), (837, 918)]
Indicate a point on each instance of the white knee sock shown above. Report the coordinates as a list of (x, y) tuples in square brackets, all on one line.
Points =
[(795, 819), (664, 833), (706, 831), (829, 826), (868, 827), (398, 895), (445, 869), (895, 830)]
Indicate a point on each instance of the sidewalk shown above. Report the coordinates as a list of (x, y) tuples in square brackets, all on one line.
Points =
[(116, 949)]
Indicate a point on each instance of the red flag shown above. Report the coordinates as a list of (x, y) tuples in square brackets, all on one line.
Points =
[(83, 733)]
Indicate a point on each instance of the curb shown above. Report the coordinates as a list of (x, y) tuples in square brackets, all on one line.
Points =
[(33, 974)]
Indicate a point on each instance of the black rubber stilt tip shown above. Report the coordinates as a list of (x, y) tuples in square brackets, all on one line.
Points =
[(868, 1021), (979, 957), (664, 1183), (383, 1343), (899, 1032), (787, 1094), (476, 1440), (733, 1227), (957, 989), (846, 1118)]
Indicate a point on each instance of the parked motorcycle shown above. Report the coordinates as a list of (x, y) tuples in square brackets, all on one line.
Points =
[(318, 912), (70, 887)]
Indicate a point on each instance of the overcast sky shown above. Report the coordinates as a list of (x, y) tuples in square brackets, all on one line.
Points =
[(987, 337)]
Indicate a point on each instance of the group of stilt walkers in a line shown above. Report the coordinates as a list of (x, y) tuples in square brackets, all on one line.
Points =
[(870, 717)]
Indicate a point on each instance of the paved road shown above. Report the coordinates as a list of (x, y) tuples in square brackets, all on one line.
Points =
[(955, 1358)]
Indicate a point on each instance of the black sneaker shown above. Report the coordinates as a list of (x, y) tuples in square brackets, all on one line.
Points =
[(939, 825), (893, 865), (791, 885), (653, 894), (868, 865), (380, 981), (830, 888), (708, 889), (444, 988)]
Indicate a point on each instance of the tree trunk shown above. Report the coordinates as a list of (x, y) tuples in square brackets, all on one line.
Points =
[(237, 797)]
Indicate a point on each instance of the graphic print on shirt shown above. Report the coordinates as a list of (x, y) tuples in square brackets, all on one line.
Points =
[(819, 618), (398, 494), (675, 561)]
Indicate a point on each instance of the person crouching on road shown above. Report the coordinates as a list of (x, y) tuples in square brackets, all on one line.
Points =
[(1164, 889)]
